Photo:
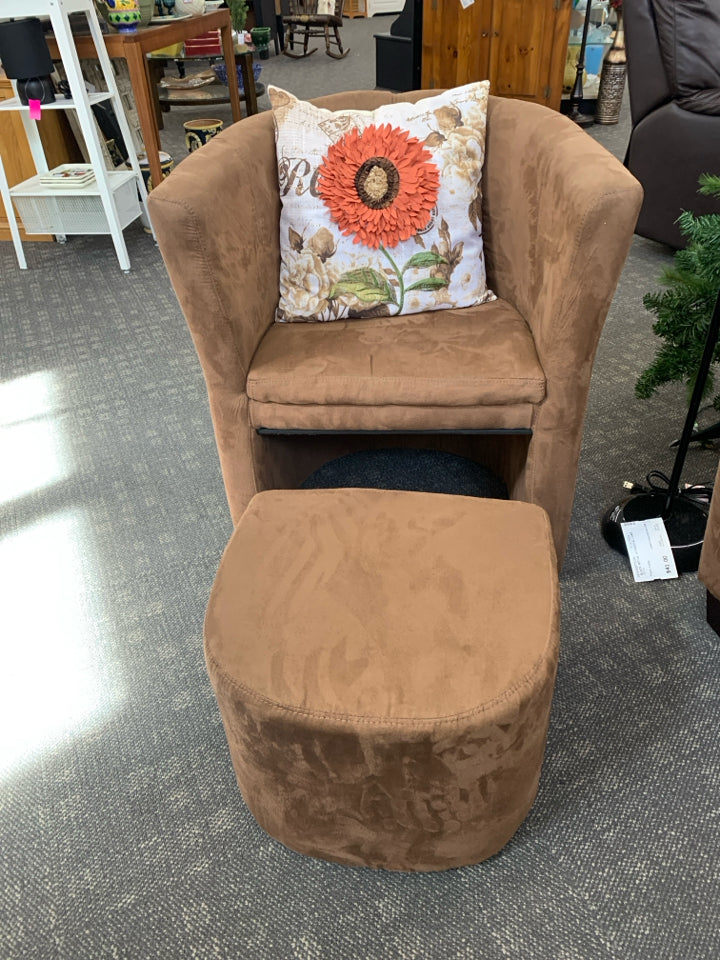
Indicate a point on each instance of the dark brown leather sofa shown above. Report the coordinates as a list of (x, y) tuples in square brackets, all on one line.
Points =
[(674, 81)]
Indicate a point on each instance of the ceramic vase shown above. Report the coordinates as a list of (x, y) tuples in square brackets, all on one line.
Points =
[(198, 132), (147, 11), (124, 15), (166, 165), (261, 38), (612, 78)]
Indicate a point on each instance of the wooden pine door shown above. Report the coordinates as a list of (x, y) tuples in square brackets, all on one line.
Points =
[(455, 42), (519, 45), (528, 44)]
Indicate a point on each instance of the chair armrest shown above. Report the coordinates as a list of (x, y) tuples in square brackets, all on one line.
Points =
[(558, 219), (559, 213), (216, 220)]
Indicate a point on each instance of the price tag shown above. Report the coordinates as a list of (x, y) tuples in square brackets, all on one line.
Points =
[(649, 550)]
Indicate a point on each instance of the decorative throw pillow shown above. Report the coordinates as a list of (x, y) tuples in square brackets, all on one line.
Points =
[(381, 209)]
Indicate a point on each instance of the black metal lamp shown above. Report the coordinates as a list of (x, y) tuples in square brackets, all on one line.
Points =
[(25, 58), (576, 97), (685, 514)]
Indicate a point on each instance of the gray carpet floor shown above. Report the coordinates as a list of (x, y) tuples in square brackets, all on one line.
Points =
[(122, 833)]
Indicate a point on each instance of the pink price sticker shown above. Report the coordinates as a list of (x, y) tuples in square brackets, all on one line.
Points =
[(35, 109)]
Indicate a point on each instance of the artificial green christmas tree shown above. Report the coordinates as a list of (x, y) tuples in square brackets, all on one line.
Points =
[(684, 310)]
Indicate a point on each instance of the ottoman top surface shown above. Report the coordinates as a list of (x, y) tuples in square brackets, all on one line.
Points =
[(384, 605)]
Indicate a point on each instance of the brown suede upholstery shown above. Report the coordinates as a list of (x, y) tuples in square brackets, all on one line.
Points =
[(458, 358), (384, 664), (558, 217), (709, 569)]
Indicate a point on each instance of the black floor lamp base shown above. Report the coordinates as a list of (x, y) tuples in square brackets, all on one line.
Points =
[(685, 524), (581, 119), (685, 515)]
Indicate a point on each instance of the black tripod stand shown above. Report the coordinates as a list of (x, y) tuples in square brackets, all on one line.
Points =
[(702, 436), (684, 514)]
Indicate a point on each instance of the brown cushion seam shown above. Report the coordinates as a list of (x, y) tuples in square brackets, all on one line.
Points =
[(350, 379), (520, 686)]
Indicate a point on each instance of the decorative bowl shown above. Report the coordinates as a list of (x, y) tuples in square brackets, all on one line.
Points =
[(221, 73), (192, 8)]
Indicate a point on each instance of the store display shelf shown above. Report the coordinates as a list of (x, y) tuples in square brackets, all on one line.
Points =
[(115, 198), (32, 187), (60, 104), (70, 210)]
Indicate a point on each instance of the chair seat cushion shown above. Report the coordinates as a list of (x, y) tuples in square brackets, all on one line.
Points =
[(475, 357)]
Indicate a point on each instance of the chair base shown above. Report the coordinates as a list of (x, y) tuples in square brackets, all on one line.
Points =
[(299, 56), (307, 32)]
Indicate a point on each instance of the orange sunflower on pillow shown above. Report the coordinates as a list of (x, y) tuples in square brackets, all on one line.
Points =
[(380, 185)]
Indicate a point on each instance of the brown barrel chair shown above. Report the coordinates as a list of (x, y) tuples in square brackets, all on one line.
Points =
[(504, 384)]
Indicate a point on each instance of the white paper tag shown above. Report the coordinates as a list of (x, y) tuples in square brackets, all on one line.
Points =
[(466, 3), (649, 550)]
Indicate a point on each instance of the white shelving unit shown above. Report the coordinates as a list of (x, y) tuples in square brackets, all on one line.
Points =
[(111, 202)]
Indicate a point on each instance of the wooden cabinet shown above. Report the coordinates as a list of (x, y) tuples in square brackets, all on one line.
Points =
[(520, 46)]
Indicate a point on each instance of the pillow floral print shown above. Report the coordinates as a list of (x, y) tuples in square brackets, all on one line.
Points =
[(380, 209)]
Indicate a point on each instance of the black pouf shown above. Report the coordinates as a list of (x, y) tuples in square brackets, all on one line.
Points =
[(426, 471)]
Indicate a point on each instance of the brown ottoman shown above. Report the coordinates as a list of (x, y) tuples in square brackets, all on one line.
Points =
[(384, 663)]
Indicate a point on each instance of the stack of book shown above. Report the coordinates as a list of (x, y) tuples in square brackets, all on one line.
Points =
[(68, 175), (205, 45)]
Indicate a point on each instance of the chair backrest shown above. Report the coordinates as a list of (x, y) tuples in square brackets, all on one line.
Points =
[(672, 55), (316, 8), (647, 82)]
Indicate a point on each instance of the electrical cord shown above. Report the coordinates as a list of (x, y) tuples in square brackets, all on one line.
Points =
[(658, 482)]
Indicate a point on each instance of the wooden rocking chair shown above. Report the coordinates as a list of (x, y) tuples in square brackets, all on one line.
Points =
[(308, 18)]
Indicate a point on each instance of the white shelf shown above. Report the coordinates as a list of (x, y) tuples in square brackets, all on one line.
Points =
[(71, 210), (34, 188), (116, 197), (42, 8), (59, 104)]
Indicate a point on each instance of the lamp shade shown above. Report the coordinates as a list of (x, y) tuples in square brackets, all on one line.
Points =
[(23, 50)]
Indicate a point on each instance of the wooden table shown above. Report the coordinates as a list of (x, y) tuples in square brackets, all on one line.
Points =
[(214, 93), (135, 47)]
